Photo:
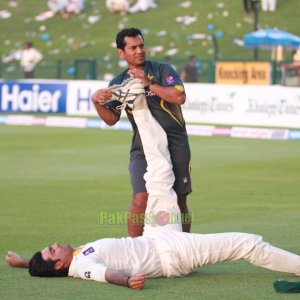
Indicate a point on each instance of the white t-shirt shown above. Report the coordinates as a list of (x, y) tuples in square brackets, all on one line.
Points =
[(30, 58), (128, 255)]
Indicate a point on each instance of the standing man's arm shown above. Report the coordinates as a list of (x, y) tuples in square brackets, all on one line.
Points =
[(168, 93), (136, 282), (99, 99), (38, 57)]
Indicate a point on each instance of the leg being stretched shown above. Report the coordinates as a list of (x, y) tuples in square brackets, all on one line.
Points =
[(162, 199)]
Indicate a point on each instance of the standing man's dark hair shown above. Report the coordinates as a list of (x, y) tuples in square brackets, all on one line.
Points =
[(131, 32), (42, 268)]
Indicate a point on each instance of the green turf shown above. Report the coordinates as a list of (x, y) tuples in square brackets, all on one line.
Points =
[(54, 182)]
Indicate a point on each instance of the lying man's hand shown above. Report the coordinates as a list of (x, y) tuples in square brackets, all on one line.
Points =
[(14, 260), (137, 282)]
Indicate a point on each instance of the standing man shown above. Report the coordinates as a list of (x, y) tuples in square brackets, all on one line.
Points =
[(190, 72), (164, 94), (30, 57)]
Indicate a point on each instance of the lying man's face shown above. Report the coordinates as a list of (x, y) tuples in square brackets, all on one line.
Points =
[(61, 254)]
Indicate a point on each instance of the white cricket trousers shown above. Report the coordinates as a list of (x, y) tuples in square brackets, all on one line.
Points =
[(181, 252), (162, 208)]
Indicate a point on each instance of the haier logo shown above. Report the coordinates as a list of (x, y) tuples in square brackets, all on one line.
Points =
[(26, 97)]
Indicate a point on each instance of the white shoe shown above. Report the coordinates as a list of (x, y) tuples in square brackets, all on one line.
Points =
[(127, 91)]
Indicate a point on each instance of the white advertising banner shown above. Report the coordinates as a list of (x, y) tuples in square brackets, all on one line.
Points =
[(274, 106), (79, 96), (209, 104), (248, 105)]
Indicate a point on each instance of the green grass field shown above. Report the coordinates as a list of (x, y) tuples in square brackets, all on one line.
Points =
[(54, 182)]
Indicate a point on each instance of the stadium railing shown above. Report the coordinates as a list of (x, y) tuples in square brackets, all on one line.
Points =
[(99, 69)]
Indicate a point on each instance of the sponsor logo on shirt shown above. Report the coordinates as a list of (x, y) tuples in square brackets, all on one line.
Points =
[(150, 94), (88, 251), (170, 79)]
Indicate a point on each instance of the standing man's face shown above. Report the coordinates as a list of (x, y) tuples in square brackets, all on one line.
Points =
[(134, 52)]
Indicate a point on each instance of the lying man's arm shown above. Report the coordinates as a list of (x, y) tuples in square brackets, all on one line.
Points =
[(136, 282), (14, 260)]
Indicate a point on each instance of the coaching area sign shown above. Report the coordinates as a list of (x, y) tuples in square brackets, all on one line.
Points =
[(252, 73)]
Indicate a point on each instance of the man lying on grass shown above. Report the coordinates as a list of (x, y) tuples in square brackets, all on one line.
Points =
[(159, 253)]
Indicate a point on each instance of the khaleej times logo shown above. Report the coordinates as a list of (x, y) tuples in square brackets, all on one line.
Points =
[(160, 218)]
